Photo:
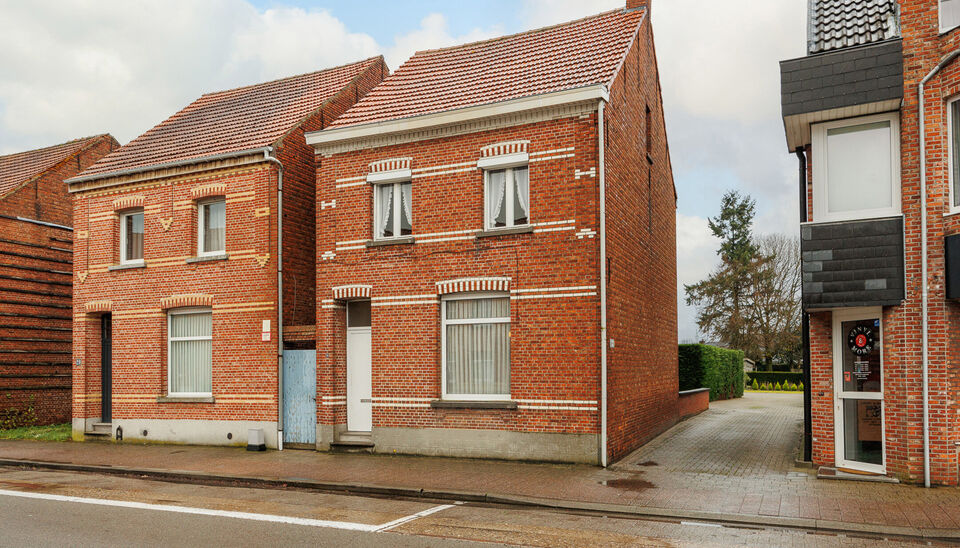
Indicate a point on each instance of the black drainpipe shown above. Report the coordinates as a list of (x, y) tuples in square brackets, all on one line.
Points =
[(805, 325)]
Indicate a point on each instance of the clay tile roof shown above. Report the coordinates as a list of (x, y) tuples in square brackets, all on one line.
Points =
[(17, 169), (234, 120), (567, 56), (835, 24)]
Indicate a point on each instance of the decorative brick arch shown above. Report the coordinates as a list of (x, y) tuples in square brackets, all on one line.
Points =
[(390, 164), (181, 301), (98, 306), (206, 191), (460, 285), (351, 292), (126, 202), (504, 148)]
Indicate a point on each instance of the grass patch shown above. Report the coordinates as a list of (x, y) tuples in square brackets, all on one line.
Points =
[(54, 432)]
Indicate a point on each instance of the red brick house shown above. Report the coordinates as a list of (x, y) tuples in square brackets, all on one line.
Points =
[(36, 239), (872, 112), (496, 251), (194, 256)]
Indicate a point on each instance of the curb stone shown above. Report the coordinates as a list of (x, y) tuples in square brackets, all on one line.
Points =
[(186, 476)]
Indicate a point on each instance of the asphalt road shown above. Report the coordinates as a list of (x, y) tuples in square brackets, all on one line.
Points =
[(45, 508)]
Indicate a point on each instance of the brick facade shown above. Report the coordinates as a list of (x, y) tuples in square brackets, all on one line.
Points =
[(923, 47), (552, 270), (35, 293), (240, 287)]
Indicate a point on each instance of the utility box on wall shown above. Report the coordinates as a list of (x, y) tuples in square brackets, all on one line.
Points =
[(951, 247)]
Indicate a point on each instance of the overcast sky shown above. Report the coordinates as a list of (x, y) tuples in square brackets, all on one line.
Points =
[(72, 68)]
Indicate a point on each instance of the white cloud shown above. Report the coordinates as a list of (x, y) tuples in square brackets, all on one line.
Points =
[(696, 258), (433, 33), (542, 13)]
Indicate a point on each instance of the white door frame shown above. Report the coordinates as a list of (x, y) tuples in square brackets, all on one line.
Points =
[(839, 395), (368, 404)]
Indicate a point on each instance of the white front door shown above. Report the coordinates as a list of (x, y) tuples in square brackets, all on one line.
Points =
[(359, 368), (858, 389)]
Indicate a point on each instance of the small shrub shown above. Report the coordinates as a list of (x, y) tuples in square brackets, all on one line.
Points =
[(17, 418), (755, 385), (800, 386), (777, 387), (793, 386)]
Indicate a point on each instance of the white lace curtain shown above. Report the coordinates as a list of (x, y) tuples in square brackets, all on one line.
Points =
[(191, 353), (521, 185), (214, 226), (406, 202), (478, 352), (496, 187), (385, 214)]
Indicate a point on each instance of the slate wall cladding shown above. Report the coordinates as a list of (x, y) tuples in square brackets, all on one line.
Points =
[(853, 263), (844, 78)]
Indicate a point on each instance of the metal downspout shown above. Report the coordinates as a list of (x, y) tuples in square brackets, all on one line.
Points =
[(269, 158), (923, 266), (805, 325), (603, 286)]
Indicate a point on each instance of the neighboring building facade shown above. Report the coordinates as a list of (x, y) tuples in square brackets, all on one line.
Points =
[(36, 239), (482, 215), (181, 299), (880, 272)]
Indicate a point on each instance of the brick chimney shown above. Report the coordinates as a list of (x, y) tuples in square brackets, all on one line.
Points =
[(638, 4)]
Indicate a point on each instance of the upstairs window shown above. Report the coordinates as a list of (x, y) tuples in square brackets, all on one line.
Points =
[(212, 227), (131, 237), (953, 134), (392, 210), (507, 197), (856, 166), (949, 14)]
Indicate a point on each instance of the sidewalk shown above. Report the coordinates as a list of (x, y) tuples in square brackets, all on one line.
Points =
[(704, 468)]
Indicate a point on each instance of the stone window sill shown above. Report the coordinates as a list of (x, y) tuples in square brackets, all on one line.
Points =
[(491, 232), (187, 399), (126, 266), (208, 258), (469, 404), (405, 240)]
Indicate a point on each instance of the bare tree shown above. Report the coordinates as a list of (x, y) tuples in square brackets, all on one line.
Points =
[(775, 308)]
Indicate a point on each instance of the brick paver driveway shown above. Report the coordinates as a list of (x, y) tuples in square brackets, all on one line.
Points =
[(756, 436)]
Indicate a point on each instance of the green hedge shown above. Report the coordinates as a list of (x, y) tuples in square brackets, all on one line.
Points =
[(719, 369), (774, 377)]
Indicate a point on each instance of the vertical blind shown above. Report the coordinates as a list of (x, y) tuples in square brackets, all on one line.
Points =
[(133, 233), (214, 226), (191, 353), (478, 346)]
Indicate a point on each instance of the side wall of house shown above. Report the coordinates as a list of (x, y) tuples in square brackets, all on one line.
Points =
[(553, 279), (299, 204), (35, 294), (641, 256)]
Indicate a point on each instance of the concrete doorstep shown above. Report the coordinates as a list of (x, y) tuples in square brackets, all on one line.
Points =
[(191, 477)]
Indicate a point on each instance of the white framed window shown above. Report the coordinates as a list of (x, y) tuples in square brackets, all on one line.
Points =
[(131, 237), (211, 227), (189, 352), (476, 346), (392, 210), (949, 14), (953, 146), (507, 197), (856, 168)]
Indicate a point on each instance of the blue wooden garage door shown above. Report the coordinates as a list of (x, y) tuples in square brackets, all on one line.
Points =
[(300, 396)]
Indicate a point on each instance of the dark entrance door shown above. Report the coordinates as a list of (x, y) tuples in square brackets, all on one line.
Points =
[(106, 367)]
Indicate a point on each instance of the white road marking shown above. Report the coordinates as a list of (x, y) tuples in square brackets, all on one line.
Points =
[(289, 520)]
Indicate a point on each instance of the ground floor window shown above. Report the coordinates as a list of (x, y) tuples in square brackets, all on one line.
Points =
[(476, 347), (190, 352)]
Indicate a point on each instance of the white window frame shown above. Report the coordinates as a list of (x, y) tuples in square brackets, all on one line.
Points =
[(123, 237), (171, 339), (444, 322), (200, 233), (490, 224), (940, 20), (397, 210), (821, 182), (951, 195)]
